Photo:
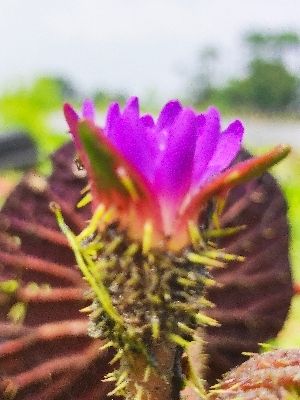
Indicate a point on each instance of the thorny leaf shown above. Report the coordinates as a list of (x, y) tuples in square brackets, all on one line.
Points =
[(50, 354)]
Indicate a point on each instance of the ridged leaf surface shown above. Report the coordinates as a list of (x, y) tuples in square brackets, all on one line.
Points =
[(49, 355)]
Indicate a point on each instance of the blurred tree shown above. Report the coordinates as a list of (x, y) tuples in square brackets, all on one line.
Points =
[(268, 86), (272, 46), (256, 42), (271, 86), (67, 89), (203, 85), (103, 97)]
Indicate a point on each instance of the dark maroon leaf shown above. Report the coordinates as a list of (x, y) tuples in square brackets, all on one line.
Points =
[(255, 295), (50, 356)]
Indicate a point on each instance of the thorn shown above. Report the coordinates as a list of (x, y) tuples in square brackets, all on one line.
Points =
[(86, 189), (220, 204), (216, 254), (186, 328), (107, 217), (154, 298), (107, 345), (267, 346), (87, 309), (110, 374), (109, 379), (248, 353), (155, 327), (111, 247), (55, 208), (85, 200), (223, 232), (204, 260), (122, 378), (147, 237), (186, 282), (195, 234), (205, 320), (178, 340), (117, 357), (206, 303), (139, 392), (131, 250), (93, 224), (118, 389), (127, 183), (147, 373)]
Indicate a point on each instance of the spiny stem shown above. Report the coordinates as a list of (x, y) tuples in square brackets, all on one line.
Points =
[(159, 383)]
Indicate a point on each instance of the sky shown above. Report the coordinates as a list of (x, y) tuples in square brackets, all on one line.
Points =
[(141, 47)]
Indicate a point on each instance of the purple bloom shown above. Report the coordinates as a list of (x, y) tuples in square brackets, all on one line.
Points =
[(176, 155), (163, 171)]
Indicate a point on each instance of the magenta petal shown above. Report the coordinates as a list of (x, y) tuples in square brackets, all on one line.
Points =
[(168, 114), (88, 110), (112, 117), (206, 145), (228, 146), (173, 174), (147, 121), (132, 109), (71, 117), (130, 136)]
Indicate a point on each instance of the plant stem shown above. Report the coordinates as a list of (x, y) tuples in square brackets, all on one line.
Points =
[(163, 383)]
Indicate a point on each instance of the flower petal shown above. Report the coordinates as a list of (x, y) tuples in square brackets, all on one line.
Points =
[(115, 181), (239, 173), (88, 110), (206, 145), (147, 121), (168, 114), (71, 116), (132, 109), (228, 146), (173, 174), (129, 134), (112, 117)]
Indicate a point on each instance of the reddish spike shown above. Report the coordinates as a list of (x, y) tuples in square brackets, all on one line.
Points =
[(234, 176), (102, 162), (71, 117)]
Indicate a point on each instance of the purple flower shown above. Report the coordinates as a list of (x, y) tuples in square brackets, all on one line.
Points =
[(178, 153), (169, 162)]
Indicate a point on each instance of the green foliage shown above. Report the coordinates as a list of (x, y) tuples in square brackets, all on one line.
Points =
[(29, 108), (290, 182), (272, 45), (103, 97), (288, 174), (272, 87), (268, 87)]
